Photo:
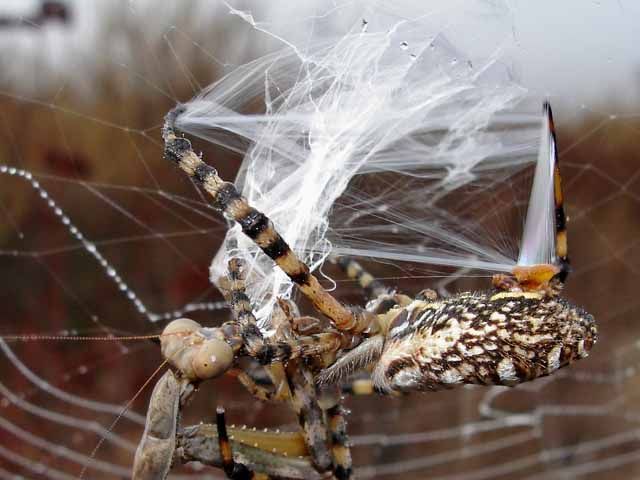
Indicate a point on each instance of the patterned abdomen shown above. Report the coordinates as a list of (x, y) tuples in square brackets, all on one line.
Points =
[(489, 338)]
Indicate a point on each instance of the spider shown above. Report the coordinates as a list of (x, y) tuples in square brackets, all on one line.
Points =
[(519, 330), (199, 354)]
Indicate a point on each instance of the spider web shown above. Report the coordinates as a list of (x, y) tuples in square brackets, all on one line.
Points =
[(100, 236)]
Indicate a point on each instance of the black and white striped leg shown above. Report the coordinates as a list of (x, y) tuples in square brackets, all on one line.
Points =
[(372, 287), (270, 351), (340, 451), (310, 415), (381, 298)]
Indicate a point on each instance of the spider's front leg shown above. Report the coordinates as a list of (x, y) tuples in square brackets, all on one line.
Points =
[(320, 413), (234, 291), (257, 226)]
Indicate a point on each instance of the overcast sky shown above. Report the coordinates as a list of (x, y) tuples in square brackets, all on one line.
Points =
[(569, 45), (579, 51)]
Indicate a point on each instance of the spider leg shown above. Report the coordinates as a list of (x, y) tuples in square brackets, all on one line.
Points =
[(237, 297), (301, 347), (381, 298), (372, 287), (305, 400), (259, 391), (302, 391), (258, 227), (364, 386), (241, 309), (248, 340), (558, 198), (252, 337), (234, 470), (340, 451), (427, 295), (269, 351), (274, 388), (310, 416), (253, 340), (356, 359), (358, 386)]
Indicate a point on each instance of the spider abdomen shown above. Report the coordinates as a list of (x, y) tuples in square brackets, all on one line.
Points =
[(489, 338)]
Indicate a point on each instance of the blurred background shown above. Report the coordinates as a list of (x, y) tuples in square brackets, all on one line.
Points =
[(100, 236)]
